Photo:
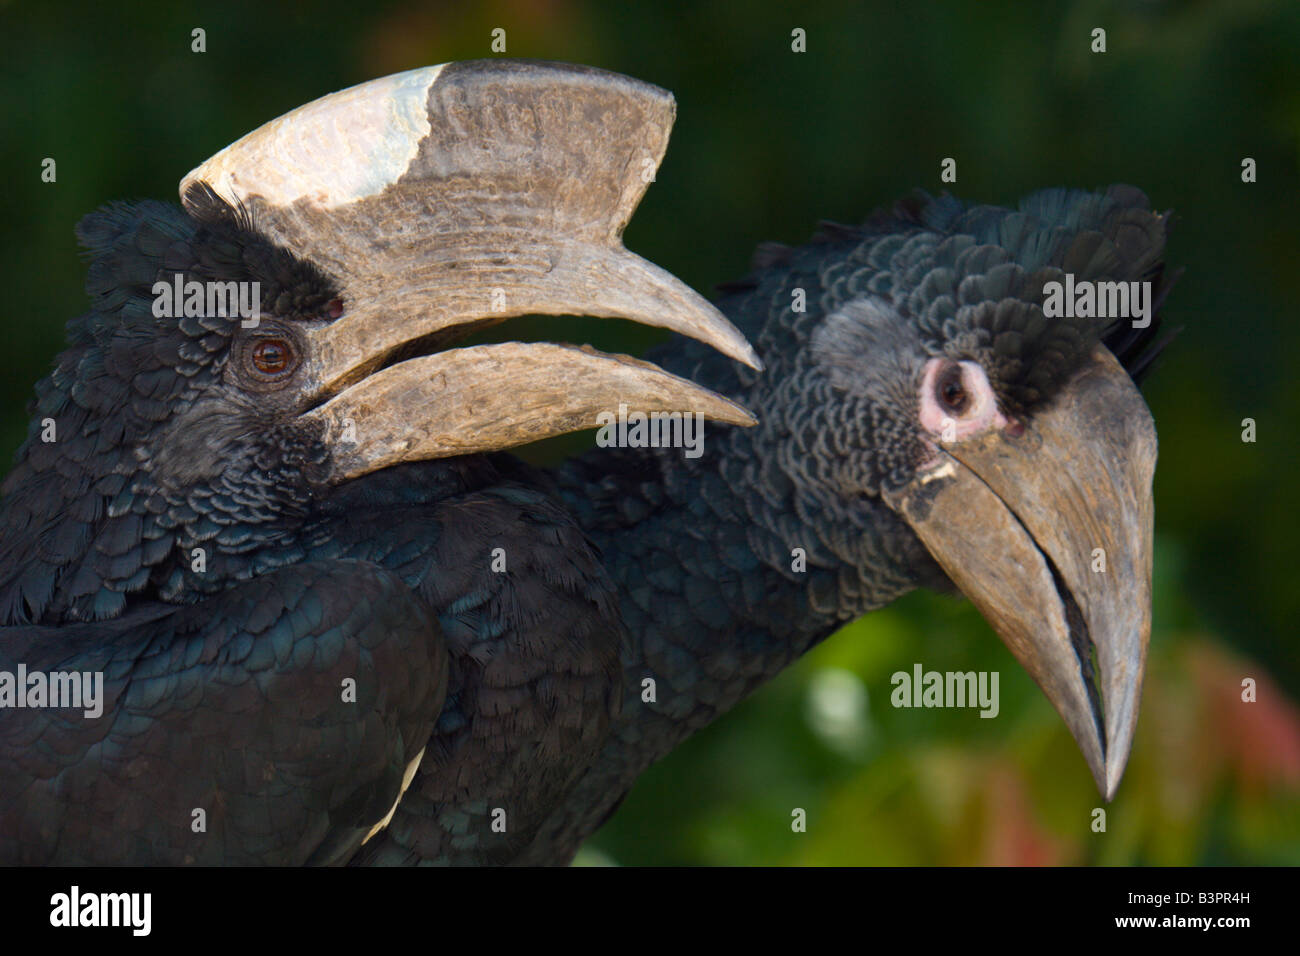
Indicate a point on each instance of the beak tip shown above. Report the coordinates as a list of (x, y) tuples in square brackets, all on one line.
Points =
[(1108, 770), (1116, 762), (1107, 763), (1112, 785)]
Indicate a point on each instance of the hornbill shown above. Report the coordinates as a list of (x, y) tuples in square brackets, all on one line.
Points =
[(337, 622)]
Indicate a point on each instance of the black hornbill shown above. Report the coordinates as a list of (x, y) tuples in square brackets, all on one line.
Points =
[(336, 621)]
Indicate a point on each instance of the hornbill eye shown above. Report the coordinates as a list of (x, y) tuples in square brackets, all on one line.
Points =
[(271, 359), (958, 402), (951, 392)]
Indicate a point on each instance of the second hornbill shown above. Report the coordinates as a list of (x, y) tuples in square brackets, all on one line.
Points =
[(336, 622)]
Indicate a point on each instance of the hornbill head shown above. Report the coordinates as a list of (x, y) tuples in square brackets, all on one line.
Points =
[(448, 198), (1014, 446), (1043, 518), (378, 224)]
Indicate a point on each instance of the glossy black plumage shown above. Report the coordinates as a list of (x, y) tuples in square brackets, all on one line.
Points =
[(701, 549), (385, 581), (622, 565)]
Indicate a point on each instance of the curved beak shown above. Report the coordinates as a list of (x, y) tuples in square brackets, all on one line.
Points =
[(1049, 534), (452, 197)]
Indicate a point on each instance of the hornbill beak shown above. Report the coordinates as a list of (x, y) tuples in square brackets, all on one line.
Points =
[(1048, 533), (452, 197)]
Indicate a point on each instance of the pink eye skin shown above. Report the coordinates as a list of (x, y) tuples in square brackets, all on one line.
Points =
[(957, 401)]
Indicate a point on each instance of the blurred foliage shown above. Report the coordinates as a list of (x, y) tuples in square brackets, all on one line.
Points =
[(767, 142), (1211, 780)]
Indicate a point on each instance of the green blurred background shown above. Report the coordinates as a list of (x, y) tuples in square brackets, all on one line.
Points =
[(767, 142)]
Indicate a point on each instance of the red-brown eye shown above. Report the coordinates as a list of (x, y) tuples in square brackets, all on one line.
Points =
[(272, 356), (952, 393)]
